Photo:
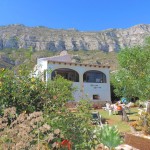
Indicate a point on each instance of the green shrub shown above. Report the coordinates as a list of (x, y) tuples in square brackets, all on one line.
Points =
[(143, 123), (19, 89), (109, 136), (76, 127), (29, 94), (26, 131)]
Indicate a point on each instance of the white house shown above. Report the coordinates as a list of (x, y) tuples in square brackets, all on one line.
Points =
[(91, 81)]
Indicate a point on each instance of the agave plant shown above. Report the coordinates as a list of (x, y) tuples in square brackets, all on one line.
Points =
[(109, 136)]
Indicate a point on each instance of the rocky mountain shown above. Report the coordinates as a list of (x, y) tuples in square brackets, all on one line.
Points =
[(42, 38)]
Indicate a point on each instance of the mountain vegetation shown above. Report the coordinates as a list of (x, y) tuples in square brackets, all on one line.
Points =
[(14, 57)]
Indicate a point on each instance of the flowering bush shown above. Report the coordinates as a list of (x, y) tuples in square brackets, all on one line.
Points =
[(76, 127), (26, 131)]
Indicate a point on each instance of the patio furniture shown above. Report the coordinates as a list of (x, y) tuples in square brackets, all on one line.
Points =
[(108, 108), (96, 118)]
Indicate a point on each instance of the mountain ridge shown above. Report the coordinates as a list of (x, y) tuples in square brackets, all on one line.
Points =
[(41, 38)]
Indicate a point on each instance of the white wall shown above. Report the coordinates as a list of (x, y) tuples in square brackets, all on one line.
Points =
[(77, 93), (90, 89), (40, 67), (100, 89)]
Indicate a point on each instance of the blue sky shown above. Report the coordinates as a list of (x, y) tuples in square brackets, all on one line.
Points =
[(84, 15)]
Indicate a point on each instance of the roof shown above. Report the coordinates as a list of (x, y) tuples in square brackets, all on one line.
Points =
[(78, 64), (64, 56)]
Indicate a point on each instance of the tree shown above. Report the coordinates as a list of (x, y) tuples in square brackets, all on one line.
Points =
[(76, 127), (18, 89), (132, 79)]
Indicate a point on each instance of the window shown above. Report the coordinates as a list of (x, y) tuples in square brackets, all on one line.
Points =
[(66, 73), (94, 76), (95, 97)]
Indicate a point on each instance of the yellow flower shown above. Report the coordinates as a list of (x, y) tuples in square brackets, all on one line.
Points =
[(2, 69), (32, 80)]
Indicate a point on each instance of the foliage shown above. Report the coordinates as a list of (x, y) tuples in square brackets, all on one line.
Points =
[(29, 94), (18, 88), (109, 136), (95, 57), (76, 127), (26, 131), (133, 77), (21, 56), (140, 103), (17, 57), (143, 123), (58, 92)]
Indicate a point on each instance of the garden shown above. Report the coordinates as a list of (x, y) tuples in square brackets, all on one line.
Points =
[(34, 114)]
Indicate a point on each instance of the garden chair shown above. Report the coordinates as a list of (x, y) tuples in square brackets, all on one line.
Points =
[(96, 118), (114, 109), (108, 108)]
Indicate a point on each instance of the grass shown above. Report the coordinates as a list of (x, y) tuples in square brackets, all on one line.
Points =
[(116, 119)]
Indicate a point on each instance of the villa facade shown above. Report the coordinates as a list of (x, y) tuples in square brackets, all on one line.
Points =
[(91, 81)]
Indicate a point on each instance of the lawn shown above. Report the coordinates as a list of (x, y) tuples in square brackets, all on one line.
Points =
[(116, 119)]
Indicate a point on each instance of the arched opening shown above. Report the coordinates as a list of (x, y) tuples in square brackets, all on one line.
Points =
[(66, 73), (94, 76)]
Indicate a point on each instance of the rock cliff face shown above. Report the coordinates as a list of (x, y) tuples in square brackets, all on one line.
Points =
[(41, 38)]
